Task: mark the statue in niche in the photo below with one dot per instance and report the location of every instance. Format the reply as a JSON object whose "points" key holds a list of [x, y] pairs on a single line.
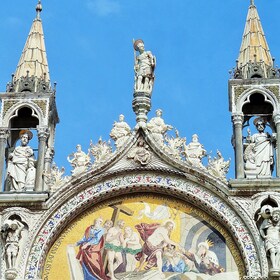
{"points": [[79, 160], [270, 232], [11, 235], [157, 127], [144, 67], [120, 132], [195, 152], [21, 165], [258, 154]]}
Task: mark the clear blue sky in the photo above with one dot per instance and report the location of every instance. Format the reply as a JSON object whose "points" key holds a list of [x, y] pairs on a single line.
{"points": [[90, 55]]}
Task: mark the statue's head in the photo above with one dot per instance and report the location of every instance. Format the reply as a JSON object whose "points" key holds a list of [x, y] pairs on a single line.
{"points": [[159, 112], [276, 215], [139, 45], [121, 118], [260, 124], [25, 136], [79, 148]]}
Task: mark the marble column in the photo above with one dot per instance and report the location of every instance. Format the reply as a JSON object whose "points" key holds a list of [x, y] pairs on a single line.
{"points": [[237, 120], [43, 135], [4, 133], [276, 119]]}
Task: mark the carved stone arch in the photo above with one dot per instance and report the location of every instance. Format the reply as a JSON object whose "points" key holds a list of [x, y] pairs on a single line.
{"points": [[60, 214], [13, 112], [268, 96]]}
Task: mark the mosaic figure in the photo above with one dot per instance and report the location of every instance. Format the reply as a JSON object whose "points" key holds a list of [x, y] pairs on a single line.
{"points": [[90, 247]]}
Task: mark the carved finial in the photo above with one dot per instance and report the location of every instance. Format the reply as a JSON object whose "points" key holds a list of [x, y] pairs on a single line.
{"points": [[252, 2], [39, 9]]}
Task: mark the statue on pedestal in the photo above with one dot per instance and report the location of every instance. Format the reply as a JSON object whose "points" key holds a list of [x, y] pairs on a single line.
{"points": [[11, 235], [157, 127], [258, 154], [79, 160], [270, 232], [194, 152], [21, 165], [120, 132], [144, 67]]}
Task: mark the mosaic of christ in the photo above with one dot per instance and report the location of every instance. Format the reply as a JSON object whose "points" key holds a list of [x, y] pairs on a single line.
{"points": [[143, 237]]}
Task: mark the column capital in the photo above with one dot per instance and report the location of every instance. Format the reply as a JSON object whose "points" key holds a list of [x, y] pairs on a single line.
{"points": [[43, 133], [276, 118], [237, 119], [4, 133]]}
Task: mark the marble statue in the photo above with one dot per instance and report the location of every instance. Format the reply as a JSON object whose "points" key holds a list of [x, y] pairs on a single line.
{"points": [[100, 151], [11, 235], [140, 153], [270, 232], [258, 154], [21, 165], [144, 68], [157, 127], [218, 167], [80, 161], [175, 145], [54, 179], [120, 132], [195, 152]]}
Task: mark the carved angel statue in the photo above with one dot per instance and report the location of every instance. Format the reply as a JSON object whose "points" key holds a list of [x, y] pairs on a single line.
{"points": [[100, 151], [54, 179], [270, 232], [175, 145], [157, 127], [258, 154], [11, 235], [195, 152], [80, 161], [144, 67], [218, 167], [120, 132]]}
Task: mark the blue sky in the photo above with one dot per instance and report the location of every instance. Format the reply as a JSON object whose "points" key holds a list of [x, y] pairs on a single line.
{"points": [[90, 55]]}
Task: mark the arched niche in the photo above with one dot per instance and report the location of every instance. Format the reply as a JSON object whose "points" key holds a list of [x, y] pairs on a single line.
{"points": [[23, 118], [82, 198]]}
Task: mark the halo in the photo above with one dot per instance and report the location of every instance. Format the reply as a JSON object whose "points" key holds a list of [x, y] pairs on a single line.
{"points": [[136, 43], [256, 120], [28, 132]]}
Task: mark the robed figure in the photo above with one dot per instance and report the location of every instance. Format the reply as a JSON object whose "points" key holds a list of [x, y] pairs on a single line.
{"points": [[90, 248]]}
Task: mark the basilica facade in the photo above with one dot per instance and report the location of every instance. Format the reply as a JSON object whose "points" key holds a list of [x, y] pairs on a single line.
{"points": [[146, 206]]}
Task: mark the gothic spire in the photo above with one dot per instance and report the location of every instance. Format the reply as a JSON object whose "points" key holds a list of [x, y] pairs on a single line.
{"points": [[33, 64], [254, 51]]}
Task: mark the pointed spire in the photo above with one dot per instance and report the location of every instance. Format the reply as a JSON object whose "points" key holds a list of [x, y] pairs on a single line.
{"points": [[254, 47], [33, 61]]}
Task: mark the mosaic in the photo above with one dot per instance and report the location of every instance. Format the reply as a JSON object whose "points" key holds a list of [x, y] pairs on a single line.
{"points": [[143, 237]]}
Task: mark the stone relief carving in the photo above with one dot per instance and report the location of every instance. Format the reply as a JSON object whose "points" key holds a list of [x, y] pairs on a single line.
{"points": [[120, 132], [258, 153], [140, 154], [175, 145], [218, 167], [11, 235], [79, 160], [21, 165], [101, 151], [55, 179], [270, 232], [195, 152], [158, 128], [144, 67]]}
